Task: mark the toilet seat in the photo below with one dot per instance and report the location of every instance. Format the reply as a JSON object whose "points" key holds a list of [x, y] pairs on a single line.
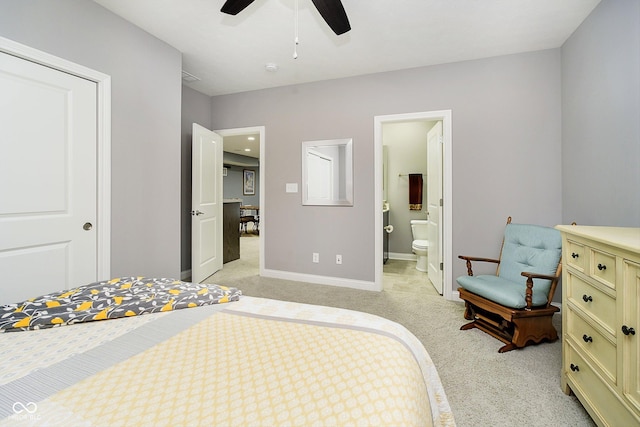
{"points": [[420, 244]]}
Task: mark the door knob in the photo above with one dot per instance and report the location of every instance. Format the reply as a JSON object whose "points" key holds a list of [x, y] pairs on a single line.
{"points": [[87, 226], [196, 212]]}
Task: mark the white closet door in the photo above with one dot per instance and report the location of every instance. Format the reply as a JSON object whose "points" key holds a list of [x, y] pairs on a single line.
{"points": [[48, 139]]}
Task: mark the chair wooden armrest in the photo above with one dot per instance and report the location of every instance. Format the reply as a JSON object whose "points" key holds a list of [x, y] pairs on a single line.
{"points": [[529, 293], [468, 259]]}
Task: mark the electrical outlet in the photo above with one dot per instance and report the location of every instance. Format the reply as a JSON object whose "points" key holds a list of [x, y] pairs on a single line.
{"points": [[338, 259], [316, 257]]}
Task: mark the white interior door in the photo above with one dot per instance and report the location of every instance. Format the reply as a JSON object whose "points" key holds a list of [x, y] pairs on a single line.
{"points": [[434, 205], [48, 140], [206, 213]]}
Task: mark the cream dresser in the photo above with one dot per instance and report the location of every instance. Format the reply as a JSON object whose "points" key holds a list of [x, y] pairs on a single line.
{"points": [[601, 321]]}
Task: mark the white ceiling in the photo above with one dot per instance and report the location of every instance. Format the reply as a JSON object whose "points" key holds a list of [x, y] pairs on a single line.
{"points": [[229, 53]]}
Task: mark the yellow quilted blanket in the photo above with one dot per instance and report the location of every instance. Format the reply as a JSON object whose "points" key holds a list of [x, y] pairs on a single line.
{"points": [[257, 362]]}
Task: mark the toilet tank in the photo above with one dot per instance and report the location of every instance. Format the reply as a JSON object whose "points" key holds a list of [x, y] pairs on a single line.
{"points": [[419, 229]]}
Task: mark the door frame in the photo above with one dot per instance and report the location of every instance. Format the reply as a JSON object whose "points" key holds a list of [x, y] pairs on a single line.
{"points": [[447, 191], [263, 212], [103, 153]]}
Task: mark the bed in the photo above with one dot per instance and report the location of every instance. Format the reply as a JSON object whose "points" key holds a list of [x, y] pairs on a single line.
{"points": [[207, 355]]}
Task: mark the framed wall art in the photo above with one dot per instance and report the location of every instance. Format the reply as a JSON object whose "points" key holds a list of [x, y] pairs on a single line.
{"points": [[248, 182]]}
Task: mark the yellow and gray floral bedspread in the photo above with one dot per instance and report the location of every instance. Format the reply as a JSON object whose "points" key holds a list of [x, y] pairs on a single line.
{"points": [[256, 362], [111, 299]]}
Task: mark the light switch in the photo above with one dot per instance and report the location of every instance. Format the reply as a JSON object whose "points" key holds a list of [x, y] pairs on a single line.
{"points": [[292, 187]]}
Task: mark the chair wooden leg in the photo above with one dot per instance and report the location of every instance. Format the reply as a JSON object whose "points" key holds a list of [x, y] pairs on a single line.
{"points": [[507, 347], [469, 325]]}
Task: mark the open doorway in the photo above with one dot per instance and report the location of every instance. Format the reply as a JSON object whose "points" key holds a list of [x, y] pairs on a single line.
{"points": [[444, 216], [243, 151]]}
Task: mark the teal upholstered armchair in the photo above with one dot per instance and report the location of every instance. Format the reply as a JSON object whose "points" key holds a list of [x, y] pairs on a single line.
{"points": [[514, 305]]}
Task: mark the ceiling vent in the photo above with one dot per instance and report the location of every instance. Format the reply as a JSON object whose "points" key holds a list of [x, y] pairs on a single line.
{"points": [[188, 77]]}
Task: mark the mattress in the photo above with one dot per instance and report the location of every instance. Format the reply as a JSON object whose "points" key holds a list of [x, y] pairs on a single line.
{"points": [[249, 362]]}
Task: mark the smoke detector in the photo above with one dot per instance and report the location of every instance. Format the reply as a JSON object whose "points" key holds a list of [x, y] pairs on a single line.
{"points": [[271, 67]]}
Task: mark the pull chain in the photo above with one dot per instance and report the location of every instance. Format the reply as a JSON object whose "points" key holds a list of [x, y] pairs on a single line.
{"points": [[295, 39]]}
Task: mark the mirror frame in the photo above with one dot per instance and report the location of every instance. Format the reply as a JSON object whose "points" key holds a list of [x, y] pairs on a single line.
{"points": [[347, 143]]}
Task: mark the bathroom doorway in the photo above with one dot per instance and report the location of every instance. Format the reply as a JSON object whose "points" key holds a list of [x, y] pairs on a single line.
{"points": [[405, 139]]}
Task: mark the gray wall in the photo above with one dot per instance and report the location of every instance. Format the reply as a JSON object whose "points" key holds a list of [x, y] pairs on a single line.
{"points": [[601, 117], [234, 182], [506, 154], [196, 108], [145, 127]]}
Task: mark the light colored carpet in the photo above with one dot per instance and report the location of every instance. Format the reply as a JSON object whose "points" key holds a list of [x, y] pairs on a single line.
{"points": [[484, 388]]}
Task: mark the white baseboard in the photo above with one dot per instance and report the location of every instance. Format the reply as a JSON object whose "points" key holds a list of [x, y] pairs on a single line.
{"points": [[402, 256], [320, 280]]}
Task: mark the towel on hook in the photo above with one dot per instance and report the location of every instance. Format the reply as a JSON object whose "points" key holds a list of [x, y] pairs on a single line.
{"points": [[415, 191]]}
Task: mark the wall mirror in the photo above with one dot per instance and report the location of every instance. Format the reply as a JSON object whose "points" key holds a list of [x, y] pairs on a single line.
{"points": [[327, 172]]}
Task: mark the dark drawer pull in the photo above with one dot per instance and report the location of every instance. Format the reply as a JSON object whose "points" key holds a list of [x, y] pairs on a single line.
{"points": [[627, 330], [587, 338], [574, 255], [586, 298], [602, 267], [574, 368]]}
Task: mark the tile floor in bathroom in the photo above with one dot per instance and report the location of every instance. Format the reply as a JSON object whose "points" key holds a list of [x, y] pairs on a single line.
{"points": [[401, 275]]}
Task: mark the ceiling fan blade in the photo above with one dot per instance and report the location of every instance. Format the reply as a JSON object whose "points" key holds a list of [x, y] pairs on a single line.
{"points": [[334, 14], [233, 7]]}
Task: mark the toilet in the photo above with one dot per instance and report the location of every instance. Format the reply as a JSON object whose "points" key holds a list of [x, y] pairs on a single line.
{"points": [[420, 245]]}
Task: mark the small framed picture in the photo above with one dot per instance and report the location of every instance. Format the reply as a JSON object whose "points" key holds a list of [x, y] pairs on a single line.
{"points": [[249, 182]]}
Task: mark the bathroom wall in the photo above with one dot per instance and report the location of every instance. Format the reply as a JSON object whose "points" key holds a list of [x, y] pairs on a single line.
{"points": [[406, 144]]}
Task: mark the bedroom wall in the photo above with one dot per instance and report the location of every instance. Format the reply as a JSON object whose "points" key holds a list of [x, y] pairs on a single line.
{"points": [[145, 127], [506, 154], [196, 108], [600, 111]]}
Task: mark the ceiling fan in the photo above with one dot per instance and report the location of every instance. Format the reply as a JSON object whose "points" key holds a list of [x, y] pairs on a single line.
{"points": [[331, 11]]}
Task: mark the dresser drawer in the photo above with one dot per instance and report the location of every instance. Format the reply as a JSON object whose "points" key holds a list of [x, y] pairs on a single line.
{"points": [[594, 302], [593, 343], [575, 255], [603, 267], [601, 402]]}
